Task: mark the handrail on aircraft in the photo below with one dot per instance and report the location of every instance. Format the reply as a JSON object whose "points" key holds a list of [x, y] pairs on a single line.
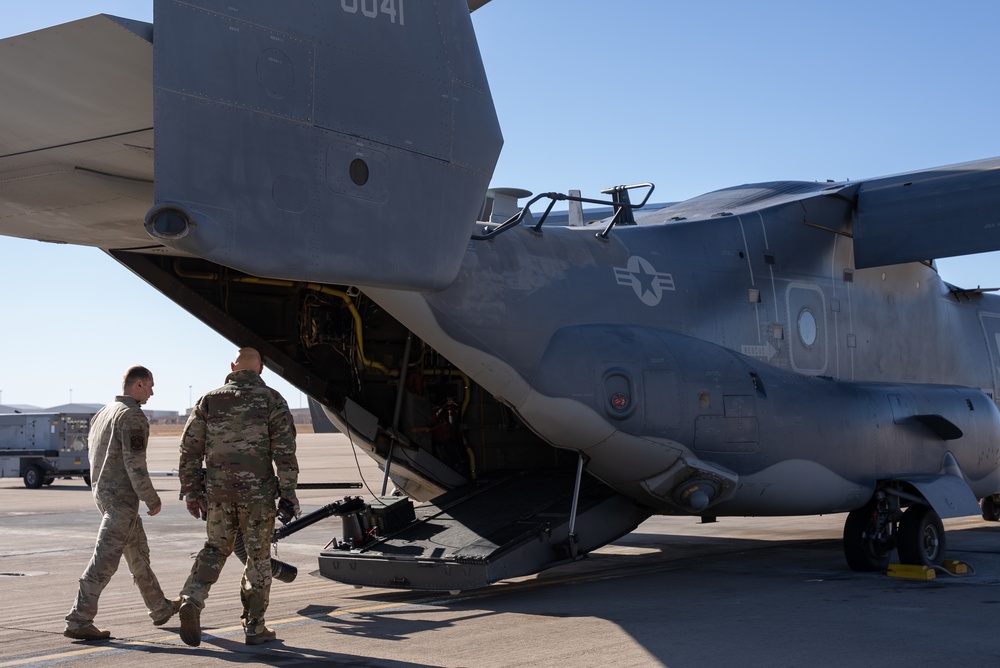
{"points": [[620, 201]]}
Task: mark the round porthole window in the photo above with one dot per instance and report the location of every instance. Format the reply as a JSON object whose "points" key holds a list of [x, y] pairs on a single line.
{"points": [[619, 401], [807, 327]]}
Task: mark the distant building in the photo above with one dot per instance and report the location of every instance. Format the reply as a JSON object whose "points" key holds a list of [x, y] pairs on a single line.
{"points": [[89, 409], [20, 408], [299, 415], [164, 417]]}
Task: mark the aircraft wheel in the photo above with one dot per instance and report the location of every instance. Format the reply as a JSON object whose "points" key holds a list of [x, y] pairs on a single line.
{"points": [[921, 537], [864, 552], [33, 478], [991, 508]]}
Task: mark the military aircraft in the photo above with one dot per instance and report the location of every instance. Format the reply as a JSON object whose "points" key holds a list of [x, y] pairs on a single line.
{"points": [[312, 179]]}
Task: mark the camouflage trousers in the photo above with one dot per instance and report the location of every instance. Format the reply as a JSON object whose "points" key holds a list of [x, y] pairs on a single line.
{"points": [[255, 521], [121, 533]]}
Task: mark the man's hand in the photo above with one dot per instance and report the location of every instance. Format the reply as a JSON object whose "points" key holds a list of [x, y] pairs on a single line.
{"points": [[288, 509], [197, 508], [154, 510]]}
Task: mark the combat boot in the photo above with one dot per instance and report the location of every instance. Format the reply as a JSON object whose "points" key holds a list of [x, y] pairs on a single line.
{"points": [[88, 632], [175, 605], [190, 615], [261, 637]]}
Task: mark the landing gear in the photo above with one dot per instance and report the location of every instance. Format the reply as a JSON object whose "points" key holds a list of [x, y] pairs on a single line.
{"points": [[874, 530], [991, 508], [921, 537], [868, 536]]}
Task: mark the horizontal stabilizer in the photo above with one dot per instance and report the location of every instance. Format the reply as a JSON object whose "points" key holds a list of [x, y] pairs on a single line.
{"points": [[337, 142], [926, 215], [76, 133]]}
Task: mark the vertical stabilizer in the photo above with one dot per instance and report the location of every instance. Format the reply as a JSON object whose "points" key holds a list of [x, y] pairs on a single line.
{"points": [[335, 141]]}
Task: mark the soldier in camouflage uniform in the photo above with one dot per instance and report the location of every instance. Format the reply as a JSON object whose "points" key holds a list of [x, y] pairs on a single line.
{"points": [[243, 432], [119, 433]]}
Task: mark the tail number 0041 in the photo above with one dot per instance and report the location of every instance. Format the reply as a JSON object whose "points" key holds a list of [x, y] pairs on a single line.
{"points": [[372, 8]]}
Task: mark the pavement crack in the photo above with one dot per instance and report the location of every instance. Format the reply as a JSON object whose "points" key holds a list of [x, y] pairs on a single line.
{"points": [[3, 627]]}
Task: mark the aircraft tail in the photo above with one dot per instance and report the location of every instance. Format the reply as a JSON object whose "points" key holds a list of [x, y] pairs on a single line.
{"points": [[338, 142]]}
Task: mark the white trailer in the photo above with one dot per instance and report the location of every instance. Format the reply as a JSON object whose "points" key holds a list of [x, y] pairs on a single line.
{"points": [[40, 447]]}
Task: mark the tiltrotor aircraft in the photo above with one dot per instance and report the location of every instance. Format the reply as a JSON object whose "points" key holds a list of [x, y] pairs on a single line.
{"points": [[309, 178]]}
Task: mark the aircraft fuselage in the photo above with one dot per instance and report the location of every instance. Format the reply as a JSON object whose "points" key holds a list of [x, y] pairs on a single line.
{"points": [[740, 355]]}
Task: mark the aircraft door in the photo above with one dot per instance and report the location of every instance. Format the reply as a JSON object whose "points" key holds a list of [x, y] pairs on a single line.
{"points": [[991, 328], [807, 328]]}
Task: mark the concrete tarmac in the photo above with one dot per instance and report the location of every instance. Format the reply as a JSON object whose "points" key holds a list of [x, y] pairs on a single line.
{"points": [[747, 592]]}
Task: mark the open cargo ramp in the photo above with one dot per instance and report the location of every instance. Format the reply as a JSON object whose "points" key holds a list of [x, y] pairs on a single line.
{"points": [[488, 531]]}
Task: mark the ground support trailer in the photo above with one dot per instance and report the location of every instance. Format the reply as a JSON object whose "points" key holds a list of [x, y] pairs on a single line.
{"points": [[40, 447]]}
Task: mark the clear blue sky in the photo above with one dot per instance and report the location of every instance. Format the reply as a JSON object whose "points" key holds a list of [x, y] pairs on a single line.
{"points": [[692, 96]]}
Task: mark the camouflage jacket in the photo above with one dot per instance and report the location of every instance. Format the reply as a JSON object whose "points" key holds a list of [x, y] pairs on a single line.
{"points": [[243, 432], [119, 433]]}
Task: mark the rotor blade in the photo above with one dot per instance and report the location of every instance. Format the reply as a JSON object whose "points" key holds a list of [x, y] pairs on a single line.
{"points": [[930, 214]]}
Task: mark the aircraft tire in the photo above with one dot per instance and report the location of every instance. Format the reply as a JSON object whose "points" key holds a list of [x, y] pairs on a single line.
{"points": [[863, 554], [33, 478], [991, 508], [920, 539]]}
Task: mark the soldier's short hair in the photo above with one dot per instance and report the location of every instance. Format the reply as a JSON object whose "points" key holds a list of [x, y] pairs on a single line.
{"points": [[133, 374]]}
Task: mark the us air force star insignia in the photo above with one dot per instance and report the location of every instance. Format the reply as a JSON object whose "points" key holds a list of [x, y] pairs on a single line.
{"points": [[647, 283]]}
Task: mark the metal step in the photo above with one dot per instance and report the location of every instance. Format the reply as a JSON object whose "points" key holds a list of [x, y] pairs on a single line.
{"points": [[488, 531]]}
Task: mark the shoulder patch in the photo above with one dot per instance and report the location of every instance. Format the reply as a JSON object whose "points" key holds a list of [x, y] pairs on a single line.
{"points": [[137, 442]]}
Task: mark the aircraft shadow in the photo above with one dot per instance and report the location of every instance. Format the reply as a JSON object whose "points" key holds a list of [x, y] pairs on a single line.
{"points": [[736, 601]]}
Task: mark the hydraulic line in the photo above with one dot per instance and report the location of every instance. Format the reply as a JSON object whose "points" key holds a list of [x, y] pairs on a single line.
{"points": [[358, 330], [315, 287]]}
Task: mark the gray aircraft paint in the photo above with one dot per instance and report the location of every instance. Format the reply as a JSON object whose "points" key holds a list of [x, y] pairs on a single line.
{"points": [[776, 348], [334, 122]]}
